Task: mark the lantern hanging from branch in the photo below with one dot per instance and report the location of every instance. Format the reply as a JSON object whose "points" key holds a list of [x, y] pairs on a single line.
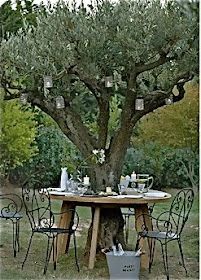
{"points": [[60, 104], [23, 98], [47, 81], [139, 104], [169, 100], [109, 82]]}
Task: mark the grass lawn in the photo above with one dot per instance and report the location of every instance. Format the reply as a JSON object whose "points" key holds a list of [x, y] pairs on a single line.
{"points": [[66, 268]]}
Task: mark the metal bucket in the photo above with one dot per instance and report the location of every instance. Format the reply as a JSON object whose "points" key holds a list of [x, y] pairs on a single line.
{"points": [[122, 267]]}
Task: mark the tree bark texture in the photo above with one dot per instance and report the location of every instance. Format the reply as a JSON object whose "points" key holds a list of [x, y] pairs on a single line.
{"points": [[111, 230]]}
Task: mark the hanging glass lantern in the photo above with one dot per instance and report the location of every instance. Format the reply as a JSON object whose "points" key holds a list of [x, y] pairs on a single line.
{"points": [[47, 81], [169, 100], [60, 104], [109, 82], [23, 98], [139, 104]]}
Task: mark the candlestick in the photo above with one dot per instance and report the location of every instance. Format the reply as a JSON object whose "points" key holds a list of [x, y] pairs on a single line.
{"points": [[108, 189], [86, 180], [133, 177]]}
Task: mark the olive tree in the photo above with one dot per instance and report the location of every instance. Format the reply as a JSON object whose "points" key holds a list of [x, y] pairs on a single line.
{"points": [[98, 54]]}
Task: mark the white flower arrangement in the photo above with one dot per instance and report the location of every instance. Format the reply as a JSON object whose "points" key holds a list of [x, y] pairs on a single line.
{"points": [[99, 155]]}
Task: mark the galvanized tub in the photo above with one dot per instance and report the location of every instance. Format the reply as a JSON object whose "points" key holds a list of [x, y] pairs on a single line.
{"points": [[126, 266]]}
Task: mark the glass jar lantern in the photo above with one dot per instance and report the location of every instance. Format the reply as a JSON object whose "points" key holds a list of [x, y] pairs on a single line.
{"points": [[139, 104], [60, 104], [47, 81], [23, 98], [109, 82], [169, 100]]}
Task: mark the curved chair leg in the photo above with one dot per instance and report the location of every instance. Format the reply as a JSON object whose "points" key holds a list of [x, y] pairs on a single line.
{"points": [[14, 237], [18, 235], [75, 250], [27, 250], [151, 244], [48, 253], [54, 246], [165, 259], [182, 255]]}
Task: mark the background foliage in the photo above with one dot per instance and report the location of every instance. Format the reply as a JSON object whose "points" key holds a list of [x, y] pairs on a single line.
{"points": [[17, 139], [167, 140], [54, 151], [176, 126]]}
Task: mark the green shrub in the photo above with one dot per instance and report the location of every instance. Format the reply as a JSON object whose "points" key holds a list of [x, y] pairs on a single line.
{"points": [[54, 150], [170, 167]]}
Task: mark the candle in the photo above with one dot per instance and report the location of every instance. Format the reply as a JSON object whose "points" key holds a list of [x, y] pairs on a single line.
{"points": [[133, 177], [86, 180], [108, 189]]}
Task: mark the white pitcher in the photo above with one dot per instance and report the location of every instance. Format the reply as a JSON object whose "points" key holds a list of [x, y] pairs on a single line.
{"points": [[64, 179], [144, 182]]}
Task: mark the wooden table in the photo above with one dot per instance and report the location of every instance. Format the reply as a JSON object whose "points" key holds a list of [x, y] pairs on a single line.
{"points": [[71, 201]]}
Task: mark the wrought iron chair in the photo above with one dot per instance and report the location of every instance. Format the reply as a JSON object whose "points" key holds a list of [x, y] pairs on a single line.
{"points": [[167, 227], [42, 220], [130, 212], [11, 205]]}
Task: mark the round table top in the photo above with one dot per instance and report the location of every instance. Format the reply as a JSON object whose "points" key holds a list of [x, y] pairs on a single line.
{"points": [[123, 200]]}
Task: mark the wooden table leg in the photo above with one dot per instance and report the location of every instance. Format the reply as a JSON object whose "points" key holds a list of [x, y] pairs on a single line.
{"points": [[139, 210], [96, 221], [64, 222]]}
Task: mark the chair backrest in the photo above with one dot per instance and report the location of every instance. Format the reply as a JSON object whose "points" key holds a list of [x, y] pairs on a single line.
{"points": [[179, 211], [37, 203], [10, 206], [38, 207]]}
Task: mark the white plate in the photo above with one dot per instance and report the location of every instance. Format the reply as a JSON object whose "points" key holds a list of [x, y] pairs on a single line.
{"points": [[155, 194], [55, 189], [60, 193], [129, 196]]}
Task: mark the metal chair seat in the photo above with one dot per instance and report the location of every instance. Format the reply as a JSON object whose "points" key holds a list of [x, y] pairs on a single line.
{"points": [[11, 215], [127, 214], [42, 220], [160, 235], [11, 206], [53, 230], [168, 226]]}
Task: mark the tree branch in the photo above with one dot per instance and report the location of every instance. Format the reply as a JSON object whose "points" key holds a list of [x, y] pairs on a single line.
{"points": [[102, 96], [145, 67], [90, 83], [103, 120], [70, 123]]}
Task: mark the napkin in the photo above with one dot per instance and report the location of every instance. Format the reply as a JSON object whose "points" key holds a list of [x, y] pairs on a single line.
{"points": [[129, 196], [61, 193], [55, 189], [155, 194]]}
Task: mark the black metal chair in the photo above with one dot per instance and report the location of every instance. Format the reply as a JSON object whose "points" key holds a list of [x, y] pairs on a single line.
{"points": [[42, 220], [167, 227], [127, 214], [11, 205]]}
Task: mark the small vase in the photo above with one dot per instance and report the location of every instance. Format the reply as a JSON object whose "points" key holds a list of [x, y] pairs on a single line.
{"points": [[64, 179]]}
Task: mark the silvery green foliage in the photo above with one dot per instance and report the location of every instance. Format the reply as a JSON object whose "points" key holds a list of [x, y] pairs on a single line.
{"points": [[147, 46], [106, 39]]}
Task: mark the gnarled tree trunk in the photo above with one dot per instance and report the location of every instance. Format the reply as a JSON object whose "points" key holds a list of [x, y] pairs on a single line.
{"points": [[111, 229]]}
